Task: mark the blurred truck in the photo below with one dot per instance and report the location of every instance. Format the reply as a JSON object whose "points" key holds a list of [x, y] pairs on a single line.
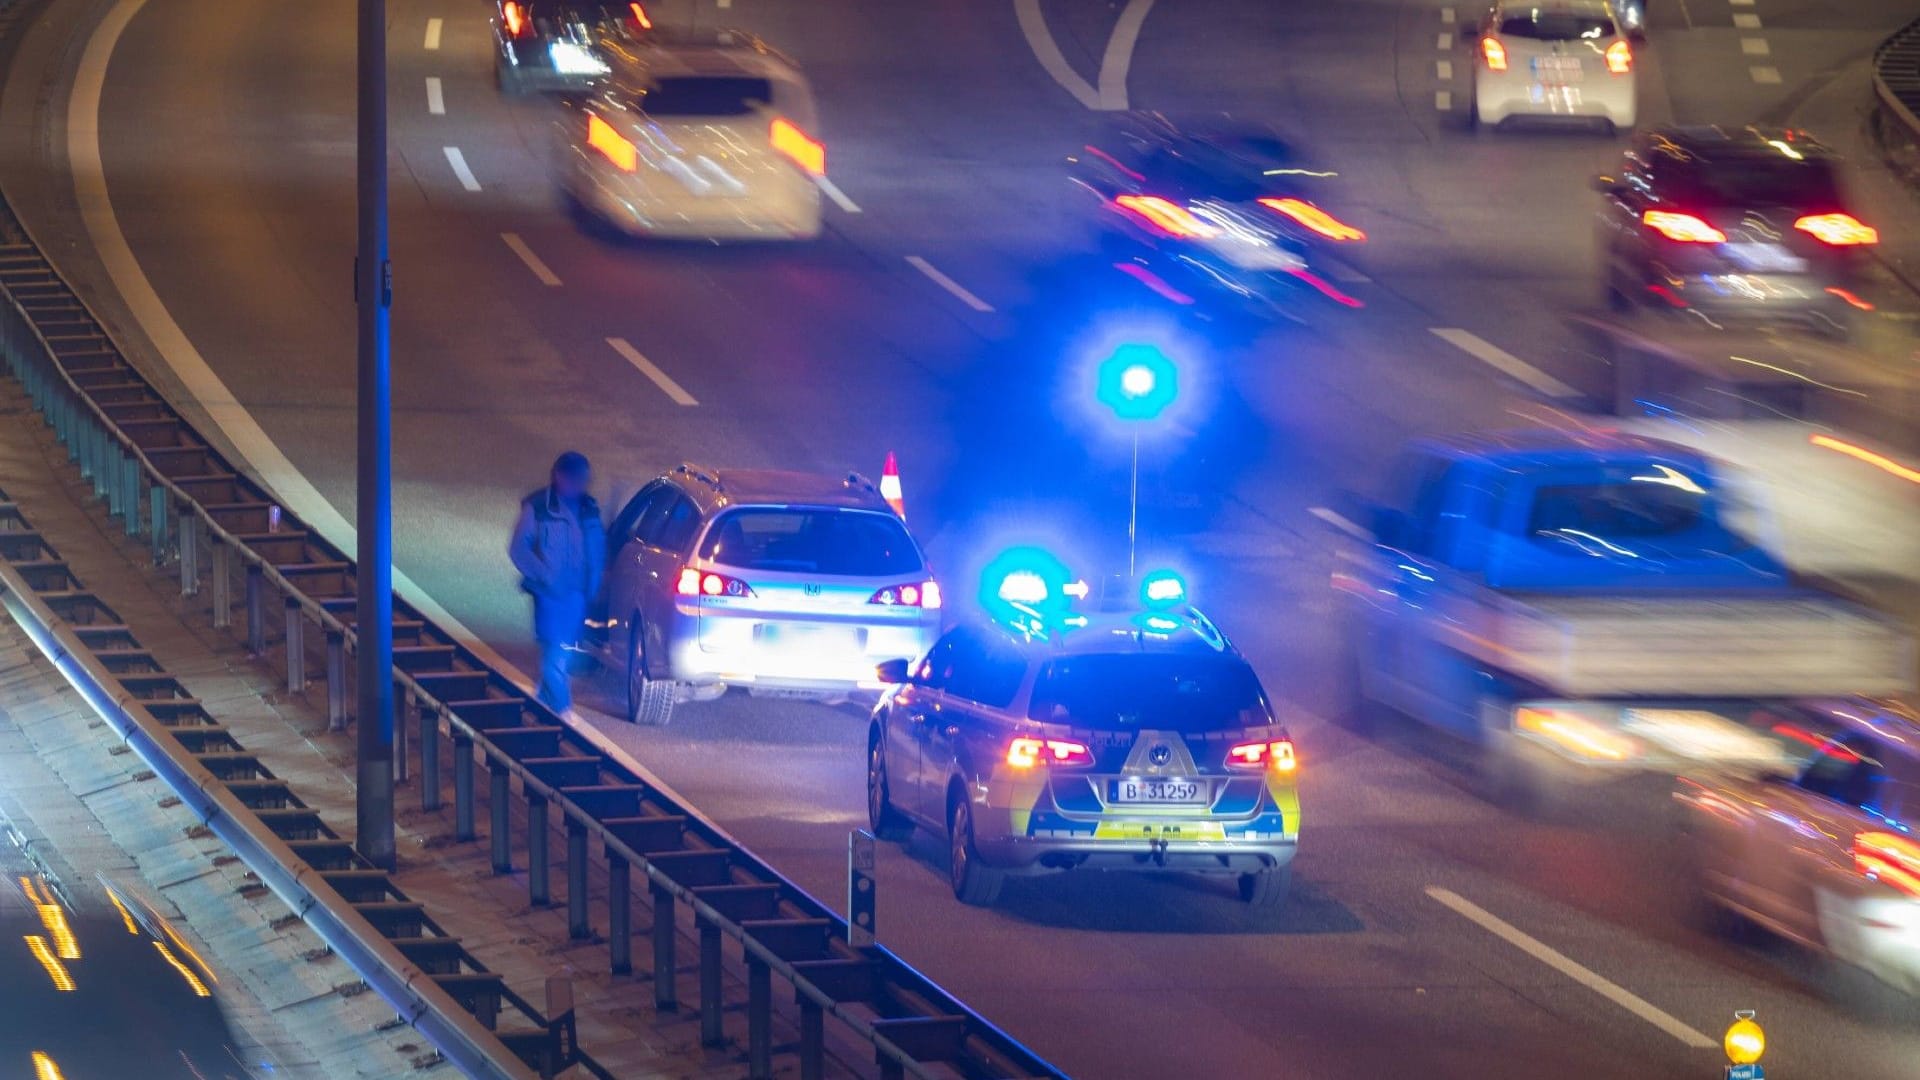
{"points": [[1583, 604]]}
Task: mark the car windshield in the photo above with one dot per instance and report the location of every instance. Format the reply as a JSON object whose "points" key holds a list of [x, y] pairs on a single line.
{"points": [[707, 95], [1151, 692], [1545, 24], [854, 543], [1619, 508]]}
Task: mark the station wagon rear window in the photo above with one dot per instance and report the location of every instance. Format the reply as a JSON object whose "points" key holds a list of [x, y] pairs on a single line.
{"points": [[850, 543], [707, 95], [1556, 26]]}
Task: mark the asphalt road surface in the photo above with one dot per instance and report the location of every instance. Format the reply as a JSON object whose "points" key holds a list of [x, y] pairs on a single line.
{"points": [[950, 318]]}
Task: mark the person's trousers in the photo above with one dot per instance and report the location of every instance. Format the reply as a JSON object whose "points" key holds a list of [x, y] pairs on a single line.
{"points": [[556, 675]]}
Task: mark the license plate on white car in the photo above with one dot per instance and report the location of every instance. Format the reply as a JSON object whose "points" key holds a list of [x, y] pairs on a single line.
{"points": [[1158, 790], [1765, 258], [1554, 70]]}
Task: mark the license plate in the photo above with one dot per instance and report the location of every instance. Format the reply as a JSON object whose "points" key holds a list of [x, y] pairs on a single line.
{"points": [[1765, 258], [806, 637], [1557, 69], [1154, 789]]}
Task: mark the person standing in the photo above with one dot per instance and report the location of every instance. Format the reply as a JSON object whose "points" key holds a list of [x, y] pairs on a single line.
{"points": [[560, 548]]}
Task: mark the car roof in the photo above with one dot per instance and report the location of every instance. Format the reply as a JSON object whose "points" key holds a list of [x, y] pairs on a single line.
{"points": [[1574, 7], [1560, 446], [1171, 632], [714, 52], [719, 488], [1713, 143]]}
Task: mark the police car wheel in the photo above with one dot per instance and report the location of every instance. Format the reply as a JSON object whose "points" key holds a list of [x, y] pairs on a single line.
{"points": [[974, 883], [1267, 888]]}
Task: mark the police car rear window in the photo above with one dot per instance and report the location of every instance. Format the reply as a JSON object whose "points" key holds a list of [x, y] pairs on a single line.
{"points": [[707, 95], [1149, 692], [853, 543]]}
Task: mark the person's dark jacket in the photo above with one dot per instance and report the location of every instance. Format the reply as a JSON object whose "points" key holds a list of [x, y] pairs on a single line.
{"points": [[561, 552]]}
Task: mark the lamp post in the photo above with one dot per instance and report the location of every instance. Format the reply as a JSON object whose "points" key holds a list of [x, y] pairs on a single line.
{"points": [[1137, 382]]}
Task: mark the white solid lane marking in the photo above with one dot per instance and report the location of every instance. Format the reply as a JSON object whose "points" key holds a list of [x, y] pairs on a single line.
{"points": [[534, 263], [1445, 43], [1033, 26], [1755, 47], [1118, 58], [1741, 3], [459, 162], [433, 34], [1503, 361], [1340, 522], [1446, 15], [1558, 961], [839, 197], [1443, 100], [436, 96], [1744, 21], [948, 284], [726, 3], [652, 371], [1444, 69], [1769, 76]]}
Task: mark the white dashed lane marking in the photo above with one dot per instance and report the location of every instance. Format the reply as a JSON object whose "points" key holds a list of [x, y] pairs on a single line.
{"points": [[1744, 21], [1444, 68], [947, 283], [1755, 47], [1444, 43], [1766, 76], [1446, 16], [652, 371], [433, 34], [541, 270], [832, 191], [436, 97], [1503, 361], [1443, 100], [459, 162]]}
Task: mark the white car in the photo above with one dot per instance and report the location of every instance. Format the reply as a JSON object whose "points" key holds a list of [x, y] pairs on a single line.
{"points": [[1555, 61], [707, 138]]}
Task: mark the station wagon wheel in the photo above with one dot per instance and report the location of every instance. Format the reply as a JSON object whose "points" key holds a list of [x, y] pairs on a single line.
{"points": [[974, 883], [887, 823], [649, 701]]}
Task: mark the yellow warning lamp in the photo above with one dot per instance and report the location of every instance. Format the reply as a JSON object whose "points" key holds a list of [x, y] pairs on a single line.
{"points": [[1745, 1042]]}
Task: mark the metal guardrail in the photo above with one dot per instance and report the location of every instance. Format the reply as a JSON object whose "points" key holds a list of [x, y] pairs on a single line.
{"points": [[168, 484], [259, 818], [1896, 75]]}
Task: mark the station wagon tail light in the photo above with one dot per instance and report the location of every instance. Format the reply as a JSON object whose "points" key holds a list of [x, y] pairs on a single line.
{"points": [[1314, 218], [611, 144], [1620, 57], [516, 18], [696, 582], [1494, 52], [925, 595], [1170, 218], [1684, 228], [1889, 858], [1840, 230], [1275, 754], [799, 146], [1025, 752]]}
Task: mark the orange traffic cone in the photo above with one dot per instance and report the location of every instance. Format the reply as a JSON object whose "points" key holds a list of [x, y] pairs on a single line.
{"points": [[890, 486]]}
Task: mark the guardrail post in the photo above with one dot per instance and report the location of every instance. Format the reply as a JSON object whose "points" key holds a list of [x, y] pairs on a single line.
{"points": [[295, 626], [759, 1018], [87, 444], [666, 996], [429, 757], [222, 583], [462, 786], [157, 522], [577, 926], [498, 795], [539, 888], [68, 413], [113, 473], [189, 549], [133, 496], [813, 1037], [620, 915], [256, 611], [712, 1031], [336, 679]]}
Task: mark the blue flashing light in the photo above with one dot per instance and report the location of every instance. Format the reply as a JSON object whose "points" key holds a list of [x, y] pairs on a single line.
{"points": [[1026, 581], [1162, 588], [1023, 587], [1138, 382]]}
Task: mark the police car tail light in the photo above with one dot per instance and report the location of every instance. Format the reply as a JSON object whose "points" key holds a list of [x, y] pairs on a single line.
{"points": [[516, 18], [1495, 53], [1620, 57], [1025, 752], [798, 146], [1684, 228], [1839, 230], [925, 595], [1275, 754], [611, 144], [1312, 217], [1889, 858], [1167, 217], [696, 582]]}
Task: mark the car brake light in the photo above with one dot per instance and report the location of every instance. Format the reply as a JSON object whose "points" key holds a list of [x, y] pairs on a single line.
{"points": [[1314, 218], [1685, 228], [1276, 754], [1495, 53], [610, 143], [516, 17], [1170, 218], [1890, 859], [799, 146], [925, 595], [1026, 752], [1840, 230], [640, 16], [696, 582], [1620, 57]]}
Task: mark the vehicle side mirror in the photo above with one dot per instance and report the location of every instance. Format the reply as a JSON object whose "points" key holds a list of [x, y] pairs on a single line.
{"points": [[894, 672]]}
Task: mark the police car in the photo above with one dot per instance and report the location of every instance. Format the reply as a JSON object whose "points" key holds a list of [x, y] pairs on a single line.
{"points": [[1133, 739]]}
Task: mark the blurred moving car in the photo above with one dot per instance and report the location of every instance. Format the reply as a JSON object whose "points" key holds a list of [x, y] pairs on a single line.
{"points": [[560, 46], [1824, 855], [775, 581], [1553, 61], [1584, 604], [1728, 221], [1220, 207], [705, 136], [1134, 740]]}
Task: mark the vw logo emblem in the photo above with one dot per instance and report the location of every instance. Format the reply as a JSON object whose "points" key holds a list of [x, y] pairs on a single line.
{"points": [[1160, 754]]}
